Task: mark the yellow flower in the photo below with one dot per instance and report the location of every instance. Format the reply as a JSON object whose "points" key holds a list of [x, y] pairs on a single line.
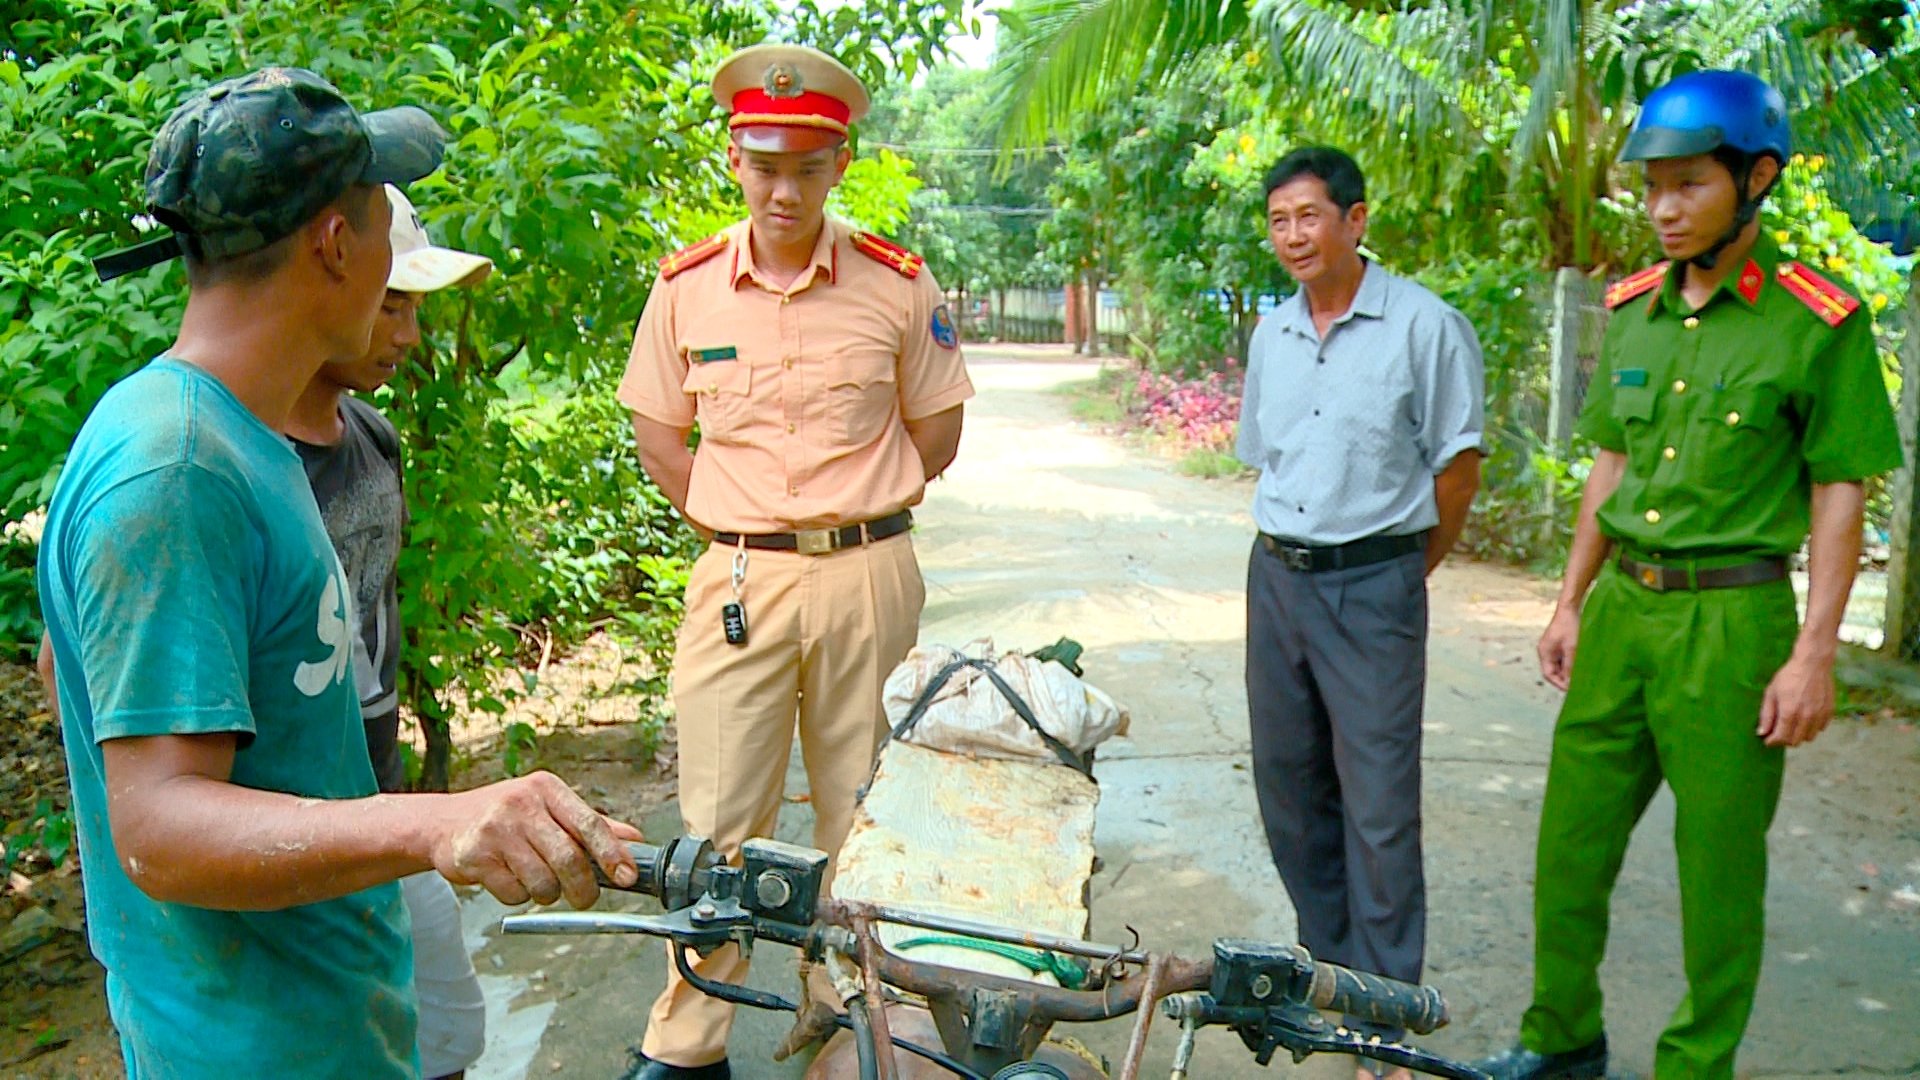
{"points": [[1816, 162], [1813, 201], [1879, 301], [1799, 159], [1836, 263], [1781, 235], [1232, 158], [1246, 144]]}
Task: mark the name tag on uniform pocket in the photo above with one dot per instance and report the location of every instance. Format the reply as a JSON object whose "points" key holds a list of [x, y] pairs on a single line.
{"points": [[1630, 377], [709, 356]]}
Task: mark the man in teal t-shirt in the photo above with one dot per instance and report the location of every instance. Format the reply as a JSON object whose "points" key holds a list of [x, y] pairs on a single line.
{"points": [[239, 866]]}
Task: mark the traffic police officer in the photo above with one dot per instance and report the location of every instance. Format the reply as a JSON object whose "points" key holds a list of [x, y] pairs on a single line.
{"points": [[826, 377], [1738, 403]]}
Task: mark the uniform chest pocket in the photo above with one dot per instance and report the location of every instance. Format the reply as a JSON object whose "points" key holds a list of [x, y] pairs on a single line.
{"points": [[862, 396], [1633, 404], [722, 394], [1738, 434]]}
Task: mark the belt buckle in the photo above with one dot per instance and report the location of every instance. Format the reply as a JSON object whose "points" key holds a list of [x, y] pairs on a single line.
{"points": [[1652, 578], [816, 541], [1295, 558]]}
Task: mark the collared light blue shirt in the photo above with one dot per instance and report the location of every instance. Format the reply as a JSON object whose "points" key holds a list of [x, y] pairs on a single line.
{"points": [[1349, 431]]}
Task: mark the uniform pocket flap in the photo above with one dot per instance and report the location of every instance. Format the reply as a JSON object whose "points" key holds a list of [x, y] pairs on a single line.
{"points": [[1633, 402]]}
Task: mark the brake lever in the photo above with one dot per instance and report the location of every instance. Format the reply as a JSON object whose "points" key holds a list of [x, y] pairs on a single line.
{"points": [[702, 927]]}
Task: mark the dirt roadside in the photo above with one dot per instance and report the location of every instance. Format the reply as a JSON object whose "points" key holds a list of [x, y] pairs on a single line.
{"points": [[1046, 527]]}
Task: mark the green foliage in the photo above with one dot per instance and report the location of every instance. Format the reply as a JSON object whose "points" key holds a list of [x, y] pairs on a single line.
{"points": [[519, 749], [584, 145], [46, 833]]}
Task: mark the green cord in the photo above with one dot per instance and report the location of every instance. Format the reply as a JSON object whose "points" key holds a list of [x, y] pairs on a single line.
{"points": [[1065, 971]]}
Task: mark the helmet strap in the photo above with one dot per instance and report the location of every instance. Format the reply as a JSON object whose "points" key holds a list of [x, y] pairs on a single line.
{"points": [[1743, 215]]}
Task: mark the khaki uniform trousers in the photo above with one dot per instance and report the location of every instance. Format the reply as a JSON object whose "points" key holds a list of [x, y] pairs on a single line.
{"points": [[823, 633]]}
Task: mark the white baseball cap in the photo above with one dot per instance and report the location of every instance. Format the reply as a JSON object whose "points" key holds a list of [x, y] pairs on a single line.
{"points": [[419, 266]]}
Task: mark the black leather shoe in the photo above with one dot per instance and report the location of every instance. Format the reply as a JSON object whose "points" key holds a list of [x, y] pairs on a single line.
{"points": [[643, 1067], [1587, 1063]]}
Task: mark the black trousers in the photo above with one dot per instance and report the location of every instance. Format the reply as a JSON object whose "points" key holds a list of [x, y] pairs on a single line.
{"points": [[1336, 681]]}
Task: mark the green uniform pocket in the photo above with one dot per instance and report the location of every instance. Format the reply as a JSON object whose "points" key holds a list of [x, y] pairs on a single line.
{"points": [[1735, 435]]}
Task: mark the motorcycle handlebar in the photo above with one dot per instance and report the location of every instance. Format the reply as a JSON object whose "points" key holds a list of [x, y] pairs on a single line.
{"points": [[1377, 999]]}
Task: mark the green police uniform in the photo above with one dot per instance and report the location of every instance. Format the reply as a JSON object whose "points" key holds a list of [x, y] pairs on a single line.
{"points": [[1727, 417]]}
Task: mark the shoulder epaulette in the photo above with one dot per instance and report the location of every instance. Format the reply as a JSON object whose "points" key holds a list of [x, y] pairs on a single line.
{"points": [[1829, 301], [1636, 284], [692, 256], [899, 259]]}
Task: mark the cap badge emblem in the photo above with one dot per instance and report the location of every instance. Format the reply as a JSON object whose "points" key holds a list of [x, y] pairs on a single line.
{"points": [[783, 81]]}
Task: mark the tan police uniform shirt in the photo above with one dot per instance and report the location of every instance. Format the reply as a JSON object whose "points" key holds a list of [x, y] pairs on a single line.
{"points": [[801, 393]]}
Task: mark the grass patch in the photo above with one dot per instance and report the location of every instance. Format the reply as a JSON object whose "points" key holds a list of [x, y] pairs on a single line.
{"points": [[1211, 465], [1097, 400]]}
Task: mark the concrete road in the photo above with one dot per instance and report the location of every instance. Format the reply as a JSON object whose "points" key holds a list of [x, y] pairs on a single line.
{"points": [[1045, 527]]}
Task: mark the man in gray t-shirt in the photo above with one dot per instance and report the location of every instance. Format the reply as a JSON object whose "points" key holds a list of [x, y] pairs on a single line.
{"points": [[352, 458], [356, 481], [1362, 412]]}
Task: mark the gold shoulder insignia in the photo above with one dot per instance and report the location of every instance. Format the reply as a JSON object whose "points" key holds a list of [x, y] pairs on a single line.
{"points": [[899, 259], [1829, 301], [1636, 284], [692, 256]]}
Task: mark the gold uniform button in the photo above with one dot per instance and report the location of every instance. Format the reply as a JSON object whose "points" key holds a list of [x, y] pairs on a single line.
{"points": [[1653, 517], [795, 490], [1690, 322], [787, 363], [1670, 453], [1733, 418], [713, 388], [1679, 386], [789, 429]]}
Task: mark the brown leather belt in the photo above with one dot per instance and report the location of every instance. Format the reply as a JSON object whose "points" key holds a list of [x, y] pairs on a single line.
{"points": [[1313, 559], [1663, 578], [823, 541]]}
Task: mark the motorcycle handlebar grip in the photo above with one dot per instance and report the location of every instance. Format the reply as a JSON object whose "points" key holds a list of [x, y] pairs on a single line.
{"points": [[1377, 999], [650, 858]]}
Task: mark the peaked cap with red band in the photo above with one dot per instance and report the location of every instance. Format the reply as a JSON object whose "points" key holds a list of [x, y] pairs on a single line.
{"points": [[788, 98]]}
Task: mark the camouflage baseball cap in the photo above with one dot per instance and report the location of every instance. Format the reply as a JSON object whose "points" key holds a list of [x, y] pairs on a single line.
{"points": [[249, 160]]}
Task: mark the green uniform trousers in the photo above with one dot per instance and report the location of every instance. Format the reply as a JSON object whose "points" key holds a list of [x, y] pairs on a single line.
{"points": [[1665, 685]]}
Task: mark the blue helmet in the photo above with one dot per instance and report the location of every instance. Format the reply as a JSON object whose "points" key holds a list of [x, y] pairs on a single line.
{"points": [[1703, 111]]}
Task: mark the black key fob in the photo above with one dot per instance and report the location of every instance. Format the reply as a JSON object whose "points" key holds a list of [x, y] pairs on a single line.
{"points": [[733, 618]]}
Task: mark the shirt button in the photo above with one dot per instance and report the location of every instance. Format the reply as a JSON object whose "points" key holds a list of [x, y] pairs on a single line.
{"points": [[1733, 418], [1670, 453], [789, 429], [786, 299], [713, 388], [1690, 322], [787, 363], [1653, 517], [1679, 386], [794, 490]]}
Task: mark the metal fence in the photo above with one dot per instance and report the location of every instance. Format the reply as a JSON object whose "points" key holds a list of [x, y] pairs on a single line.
{"points": [[1040, 315]]}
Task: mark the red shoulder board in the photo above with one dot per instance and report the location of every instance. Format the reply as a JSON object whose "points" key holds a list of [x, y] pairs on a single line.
{"points": [[902, 261], [692, 256], [1637, 284], [1829, 301]]}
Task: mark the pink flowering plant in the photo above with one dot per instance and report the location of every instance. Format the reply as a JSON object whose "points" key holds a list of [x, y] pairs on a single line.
{"points": [[1192, 414]]}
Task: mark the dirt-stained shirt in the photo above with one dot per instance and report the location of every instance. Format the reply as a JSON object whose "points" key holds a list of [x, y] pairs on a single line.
{"points": [[802, 393]]}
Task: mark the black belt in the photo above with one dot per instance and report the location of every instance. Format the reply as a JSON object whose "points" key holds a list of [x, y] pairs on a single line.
{"points": [[1312, 559], [1661, 578], [823, 541]]}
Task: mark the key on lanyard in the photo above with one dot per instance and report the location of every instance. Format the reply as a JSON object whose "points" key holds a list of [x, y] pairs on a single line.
{"points": [[733, 615]]}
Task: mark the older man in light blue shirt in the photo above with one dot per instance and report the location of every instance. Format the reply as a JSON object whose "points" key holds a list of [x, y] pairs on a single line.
{"points": [[1362, 412]]}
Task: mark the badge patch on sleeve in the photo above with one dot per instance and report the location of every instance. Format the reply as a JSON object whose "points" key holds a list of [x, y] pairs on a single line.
{"points": [[1630, 377], [943, 331]]}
